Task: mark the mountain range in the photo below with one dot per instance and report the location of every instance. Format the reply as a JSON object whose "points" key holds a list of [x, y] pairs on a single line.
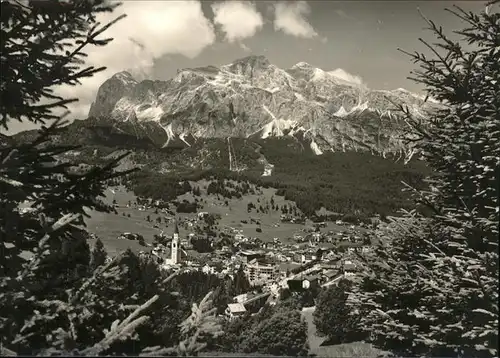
{"points": [[252, 98]]}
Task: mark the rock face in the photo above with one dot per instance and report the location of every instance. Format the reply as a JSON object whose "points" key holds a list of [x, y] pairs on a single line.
{"points": [[110, 92], [253, 98]]}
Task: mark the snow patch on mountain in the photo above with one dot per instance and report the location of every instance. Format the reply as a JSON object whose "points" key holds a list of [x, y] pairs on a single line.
{"points": [[299, 96], [295, 130], [123, 105], [341, 112], [131, 117], [182, 137], [318, 74], [170, 134], [150, 113], [268, 111], [276, 127], [143, 111], [346, 77], [315, 148], [361, 107]]}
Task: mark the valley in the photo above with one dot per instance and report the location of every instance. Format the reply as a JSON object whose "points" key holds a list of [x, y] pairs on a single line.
{"points": [[234, 218], [359, 184]]}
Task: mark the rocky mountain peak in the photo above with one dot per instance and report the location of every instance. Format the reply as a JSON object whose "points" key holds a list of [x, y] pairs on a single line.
{"points": [[110, 92], [125, 77], [302, 65], [246, 66], [254, 60], [252, 97]]}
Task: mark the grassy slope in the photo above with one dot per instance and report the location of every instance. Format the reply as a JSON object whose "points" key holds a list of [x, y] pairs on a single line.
{"points": [[108, 226]]}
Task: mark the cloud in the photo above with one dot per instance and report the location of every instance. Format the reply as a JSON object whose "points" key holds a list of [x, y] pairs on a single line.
{"points": [[237, 19], [245, 47], [150, 30], [291, 19], [346, 76]]}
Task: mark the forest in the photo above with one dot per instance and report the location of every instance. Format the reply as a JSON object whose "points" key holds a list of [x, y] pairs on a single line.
{"points": [[356, 184]]}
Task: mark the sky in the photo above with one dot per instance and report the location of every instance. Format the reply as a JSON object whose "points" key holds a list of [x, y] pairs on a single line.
{"points": [[360, 38]]}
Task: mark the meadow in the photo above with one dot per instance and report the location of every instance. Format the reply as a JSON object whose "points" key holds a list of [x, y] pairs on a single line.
{"points": [[108, 226]]}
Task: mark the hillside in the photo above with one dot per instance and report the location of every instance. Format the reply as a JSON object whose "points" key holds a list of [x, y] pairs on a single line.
{"points": [[359, 185], [356, 184]]}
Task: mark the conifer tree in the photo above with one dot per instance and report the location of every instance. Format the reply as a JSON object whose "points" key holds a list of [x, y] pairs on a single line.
{"points": [[42, 46], [432, 287], [279, 331], [332, 316], [195, 330], [98, 256], [241, 283]]}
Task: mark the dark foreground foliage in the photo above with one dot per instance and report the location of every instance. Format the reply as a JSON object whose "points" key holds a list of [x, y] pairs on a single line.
{"points": [[433, 289], [278, 330]]}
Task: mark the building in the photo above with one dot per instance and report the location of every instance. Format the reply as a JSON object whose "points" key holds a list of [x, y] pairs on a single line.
{"points": [[239, 236], [202, 214], [304, 258], [249, 255], [207, 269], [331, 274], [241, 298], [259, 273], [349, 266], [286, 268], [303, 282], [176, 250], [351, 247], [235, 310]]}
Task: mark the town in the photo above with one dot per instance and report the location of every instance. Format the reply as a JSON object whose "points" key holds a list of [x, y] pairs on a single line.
{"points": [[310, 258]]}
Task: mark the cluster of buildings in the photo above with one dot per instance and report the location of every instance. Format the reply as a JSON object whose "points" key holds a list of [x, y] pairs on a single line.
{"points": [[270, 278], [265, 268], [269, 267]]}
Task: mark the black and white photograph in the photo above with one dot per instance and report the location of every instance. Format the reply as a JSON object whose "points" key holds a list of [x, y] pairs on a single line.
{"points": [[237, 178]]}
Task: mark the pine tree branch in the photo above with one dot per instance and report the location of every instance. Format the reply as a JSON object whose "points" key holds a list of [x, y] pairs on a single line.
{"points": [[422, 198], [91, 280], [4, 351], [120, 330], [60, 224]]}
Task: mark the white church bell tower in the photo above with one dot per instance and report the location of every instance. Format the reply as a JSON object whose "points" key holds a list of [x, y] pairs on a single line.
{"points": [[175, 249]]}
